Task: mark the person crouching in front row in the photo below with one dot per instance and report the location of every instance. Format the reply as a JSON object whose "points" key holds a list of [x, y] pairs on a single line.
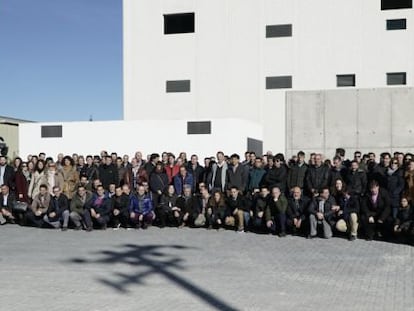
{"points": [[276, 212], [141, 209]]}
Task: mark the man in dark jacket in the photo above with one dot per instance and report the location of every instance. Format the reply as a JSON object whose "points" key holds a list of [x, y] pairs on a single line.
{"points": [[356, 180], [120, 203], [7, 176], [195, 169], [79, 213], [297, 173], [237, 174], [7, 200], [276, 212], [297, 211], [277, 175], [141, 208], [259, 207], [317, 177], [238, 210], [100, 208], [376, 209], [108, 173], [338, 171], [395, 185], [322, 211], [188, 207], [256, 174], [58, 212]]}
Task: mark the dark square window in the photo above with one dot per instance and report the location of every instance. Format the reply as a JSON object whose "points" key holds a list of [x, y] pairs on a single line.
{"points": [[49, 131], [280, 82], [255, 145], [199, 127], [178, 23], [345, 80], [275, 31], [396, 4], [396, 78], [395, 24], [178, 86]]}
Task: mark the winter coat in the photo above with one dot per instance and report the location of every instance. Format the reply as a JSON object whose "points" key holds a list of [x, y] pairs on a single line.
{"points": [[70, 179], [275, 208], [395, 187], [381, 209], [38, 178], [297, 175], [317, 178]]}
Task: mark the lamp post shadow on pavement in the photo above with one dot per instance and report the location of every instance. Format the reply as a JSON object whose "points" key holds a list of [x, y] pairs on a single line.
{"points": [[157, 260]]}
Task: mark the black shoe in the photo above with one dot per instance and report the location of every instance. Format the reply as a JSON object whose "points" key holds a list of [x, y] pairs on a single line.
{"points": [[144, 226], [89, 229], [77, 228], [310, 237], [64, 228], [352, 238], [282, 234]]}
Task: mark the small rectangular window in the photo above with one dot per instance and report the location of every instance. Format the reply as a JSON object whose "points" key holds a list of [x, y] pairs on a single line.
{"points": [[280, 82], [275, 31], [396, 4], [345, 80], [178, 23], [51, 131], [255, 145], [178, 86], [396, 78], [395, 24], [199, 127]]}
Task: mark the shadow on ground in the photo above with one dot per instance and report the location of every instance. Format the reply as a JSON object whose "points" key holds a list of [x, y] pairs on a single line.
{"points": [[155, 259]]}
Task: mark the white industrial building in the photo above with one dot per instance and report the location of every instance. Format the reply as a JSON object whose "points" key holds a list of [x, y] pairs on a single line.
{"points": [[278, 75], [192, 59]]}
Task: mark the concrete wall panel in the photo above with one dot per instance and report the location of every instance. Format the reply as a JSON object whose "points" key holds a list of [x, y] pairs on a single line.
{"points": [[340, 118], [307, 120], [374, 118], [403, 118]]}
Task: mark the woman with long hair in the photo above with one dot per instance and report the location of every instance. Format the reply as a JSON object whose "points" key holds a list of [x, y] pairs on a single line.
{"points": [[38, 178], [70, 177], [216, 210]]}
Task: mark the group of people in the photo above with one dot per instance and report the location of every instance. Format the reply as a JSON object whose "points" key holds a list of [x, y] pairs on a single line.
{"points": [[361, 197]]}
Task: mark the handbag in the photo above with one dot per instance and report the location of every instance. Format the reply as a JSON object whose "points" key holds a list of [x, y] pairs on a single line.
{"points": [[200, 220], [20, 206]]}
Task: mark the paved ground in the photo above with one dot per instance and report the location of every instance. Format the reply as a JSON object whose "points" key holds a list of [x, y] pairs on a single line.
{"points": [[196, 269]]}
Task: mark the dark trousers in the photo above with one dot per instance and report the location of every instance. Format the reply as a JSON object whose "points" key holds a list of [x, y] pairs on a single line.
{"points": [[81, 219], [303, 230], [100, 222], [34, 220], [122, 218], [374, 228], [167, 218], [147, 219], [279, 223]]}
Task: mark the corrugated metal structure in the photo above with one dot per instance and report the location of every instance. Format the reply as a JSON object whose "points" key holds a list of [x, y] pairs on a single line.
{"points": [[9, 133]]}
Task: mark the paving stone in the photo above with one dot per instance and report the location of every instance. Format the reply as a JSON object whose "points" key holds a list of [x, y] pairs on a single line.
{"points": [[197, 269]]}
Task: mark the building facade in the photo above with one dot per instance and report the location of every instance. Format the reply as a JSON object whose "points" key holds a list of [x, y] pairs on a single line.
{"points": [[202, 59]]}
